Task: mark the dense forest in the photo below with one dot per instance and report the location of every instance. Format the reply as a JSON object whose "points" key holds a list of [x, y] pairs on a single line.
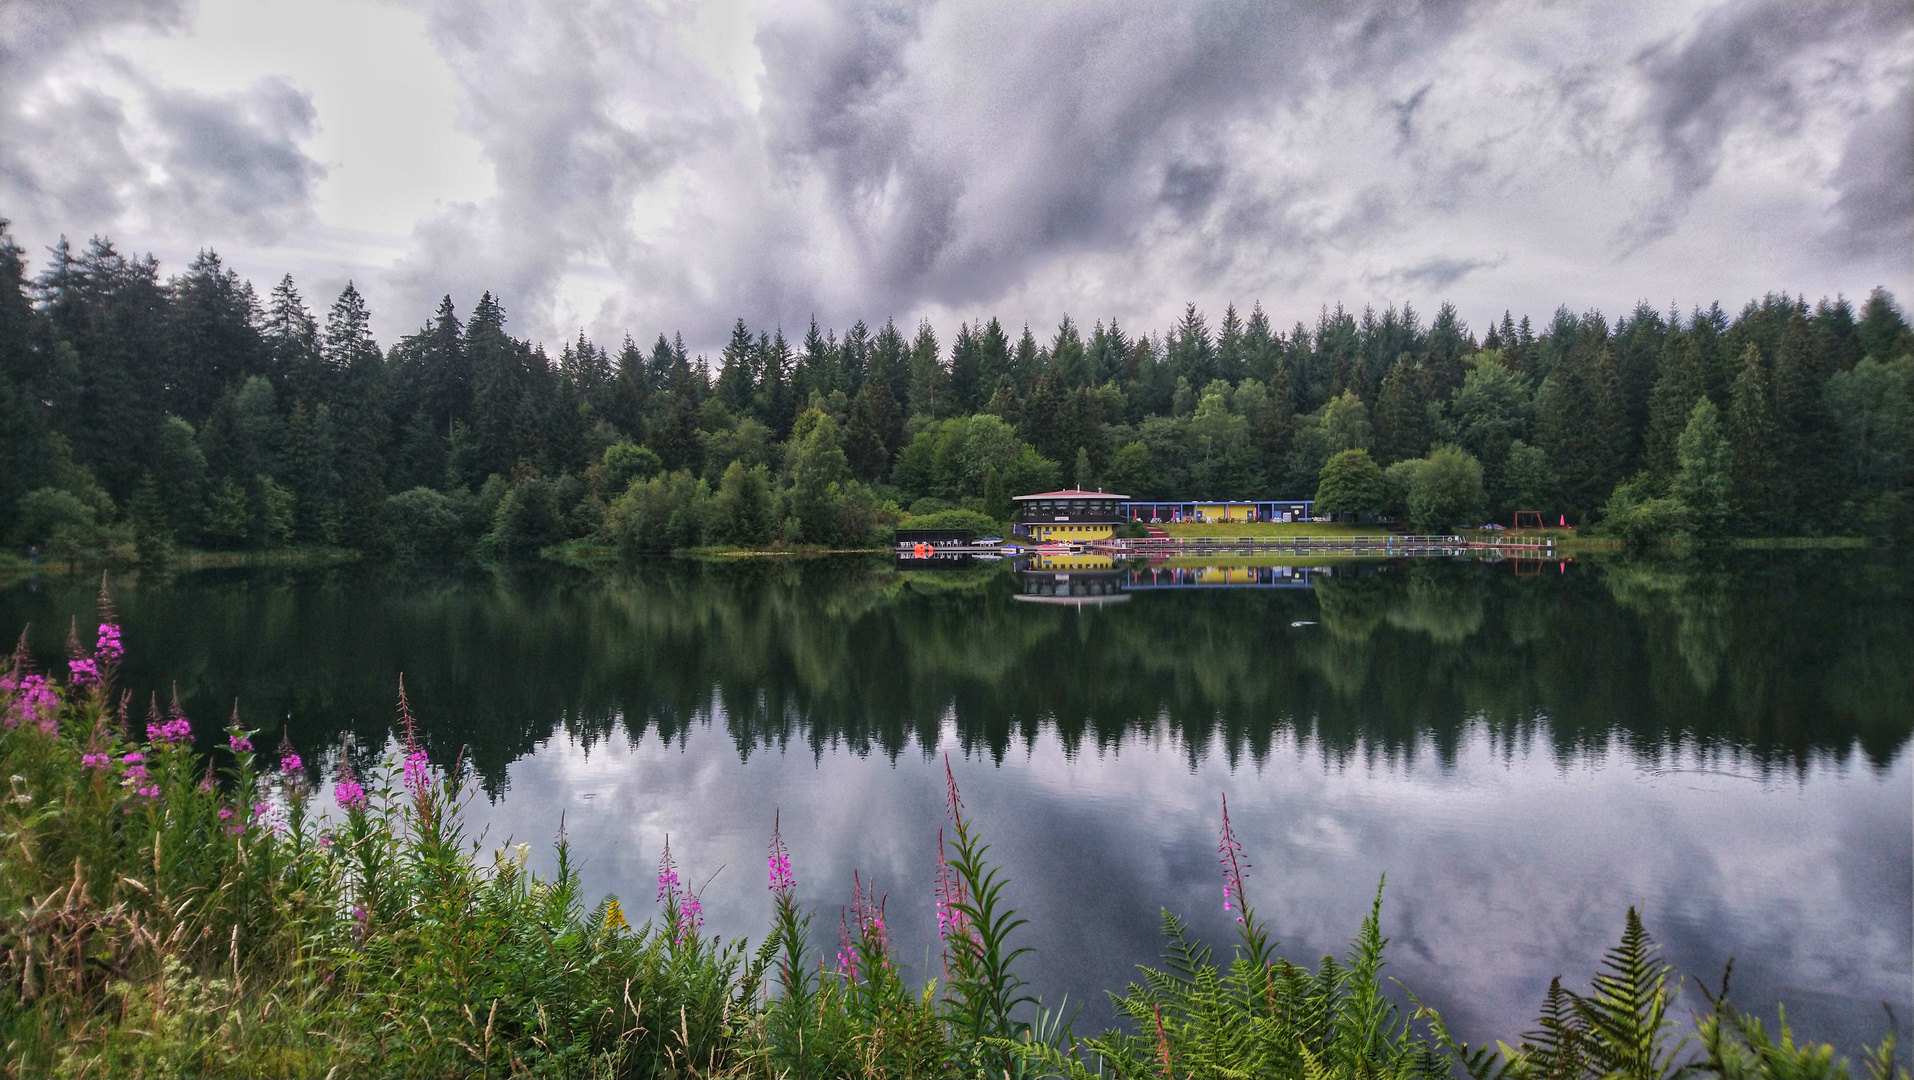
{"points": [[139, 413]]}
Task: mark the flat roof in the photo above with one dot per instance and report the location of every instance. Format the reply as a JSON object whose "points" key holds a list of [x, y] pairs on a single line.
{"points": [[1072, 495]]}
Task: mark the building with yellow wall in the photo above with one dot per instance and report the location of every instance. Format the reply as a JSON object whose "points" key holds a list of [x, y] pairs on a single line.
{"points": [[1069, 516]]}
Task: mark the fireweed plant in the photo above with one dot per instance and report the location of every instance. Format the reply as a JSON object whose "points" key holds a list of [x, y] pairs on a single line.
{"points": [[173, 902]]}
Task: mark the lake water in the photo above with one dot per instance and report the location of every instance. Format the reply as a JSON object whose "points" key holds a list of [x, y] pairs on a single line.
{"points": [[1524, 749]]}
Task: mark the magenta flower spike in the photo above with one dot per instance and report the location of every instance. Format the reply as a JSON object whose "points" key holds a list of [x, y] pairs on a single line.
{"points": [[779, 862], [108, 650], [347, 791], [1230, 854]]}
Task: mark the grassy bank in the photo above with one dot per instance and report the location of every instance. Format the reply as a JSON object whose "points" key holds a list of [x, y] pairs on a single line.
{"points": [[184, 559]]}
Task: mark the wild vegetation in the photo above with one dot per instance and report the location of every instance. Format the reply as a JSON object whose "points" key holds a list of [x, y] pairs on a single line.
{"points": [[167, 912], [138, 413]]}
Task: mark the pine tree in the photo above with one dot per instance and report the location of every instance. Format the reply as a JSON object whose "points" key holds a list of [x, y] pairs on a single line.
{"points": [[1192, 353], [993, 357], [1806, 476], [1402, 413], [774, 403], [1751, 436], [212, 338], [1705, 481], [890, 360], [1232, 347], [1577, 422], [1449, 347], [966, 372], [929, 388], [873, 418], [359, 411], [152, 531], [737, 370], [631, 391], [1678, 386]]}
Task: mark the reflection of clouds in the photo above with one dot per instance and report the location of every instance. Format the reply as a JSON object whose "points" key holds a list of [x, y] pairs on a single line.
{"points": [[1505, 865]]}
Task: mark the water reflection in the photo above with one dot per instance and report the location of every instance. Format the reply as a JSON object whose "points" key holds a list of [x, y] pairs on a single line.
{"points": [[1525, 754]]}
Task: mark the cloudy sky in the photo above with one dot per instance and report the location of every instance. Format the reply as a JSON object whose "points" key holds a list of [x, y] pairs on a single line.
{"points": [[651, 167]]}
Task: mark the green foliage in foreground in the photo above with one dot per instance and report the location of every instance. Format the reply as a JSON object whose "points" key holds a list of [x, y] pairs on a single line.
{"points": [[167, 913]]}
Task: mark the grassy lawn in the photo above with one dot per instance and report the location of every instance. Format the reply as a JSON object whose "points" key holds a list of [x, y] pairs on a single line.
{"points": [[1233, 529]]}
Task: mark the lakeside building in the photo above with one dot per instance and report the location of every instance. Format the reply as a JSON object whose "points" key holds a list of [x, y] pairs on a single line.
{"points": [[1282, 510], [1072, 515]]}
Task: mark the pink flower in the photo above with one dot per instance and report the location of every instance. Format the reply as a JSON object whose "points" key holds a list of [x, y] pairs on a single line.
{"points": [[668, 884], [35, 702], [173, 732], [109, 650], [239, 744], [291, 763], [85, 672], [418, 773], [133, 758], [348, 792], [779, 863], [95, 761], [225, 813]]}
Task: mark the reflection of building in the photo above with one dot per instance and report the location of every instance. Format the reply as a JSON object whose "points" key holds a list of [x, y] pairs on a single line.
{"points": [[1054, 516], [1059, 578], [1223, 577]]}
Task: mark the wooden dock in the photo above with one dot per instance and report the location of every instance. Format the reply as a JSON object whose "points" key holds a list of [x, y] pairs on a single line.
{"points": [[1384, 544]]}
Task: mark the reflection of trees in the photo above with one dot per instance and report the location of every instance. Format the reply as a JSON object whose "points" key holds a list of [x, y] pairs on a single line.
{"points": [[1777, 658]]}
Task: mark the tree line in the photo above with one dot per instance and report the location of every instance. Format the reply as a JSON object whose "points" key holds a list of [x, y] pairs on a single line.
{"points": [[138, 412]]}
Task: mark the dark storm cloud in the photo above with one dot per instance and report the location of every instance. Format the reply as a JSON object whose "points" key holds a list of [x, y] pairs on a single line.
{"points": [[233, 162], [1439, 274], [34, 35], [1745, 64], [64, 157], [1875, 210], [194, 164], [542, 95], [1081, 125]]}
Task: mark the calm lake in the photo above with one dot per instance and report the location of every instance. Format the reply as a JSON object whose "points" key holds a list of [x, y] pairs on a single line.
{"points": [[1525, 750]]}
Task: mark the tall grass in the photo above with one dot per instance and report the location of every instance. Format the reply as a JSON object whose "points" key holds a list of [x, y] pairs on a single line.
{"points": [[166, 912]]}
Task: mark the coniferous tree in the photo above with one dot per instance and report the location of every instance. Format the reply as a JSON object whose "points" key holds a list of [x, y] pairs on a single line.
{"points": [[1577, 421], [866, 436], [1191, 351], [1883, 333], [107, 359], [1449, 347], [774, 402], [1751, 435], [1705, 482], [1232, 347], [929, 389], [737, 370], [993, 357], [1402, 412], [1806, 478], [212, 336], [967, 391], [1679, 383], [359, 411], [891, 361], [291, 340]]}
